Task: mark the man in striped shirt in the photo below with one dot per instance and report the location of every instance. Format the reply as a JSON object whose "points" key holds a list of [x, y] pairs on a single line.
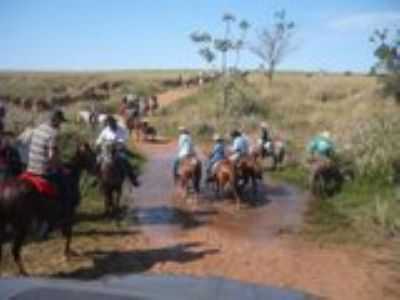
{"points": [[43, 160], [43, 152]]}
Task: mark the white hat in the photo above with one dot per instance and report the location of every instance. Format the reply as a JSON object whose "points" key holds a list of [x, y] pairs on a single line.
{"points": [[217, 137], [264, 124], [326, 134], [181, 128]]}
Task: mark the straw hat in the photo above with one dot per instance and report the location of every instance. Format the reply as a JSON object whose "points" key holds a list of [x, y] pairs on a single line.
{"points": [[217, 137], [264, 125], [326, 134]]}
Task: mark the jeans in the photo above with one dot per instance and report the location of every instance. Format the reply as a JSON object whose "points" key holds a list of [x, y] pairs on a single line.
{"points": [[175, 167]]}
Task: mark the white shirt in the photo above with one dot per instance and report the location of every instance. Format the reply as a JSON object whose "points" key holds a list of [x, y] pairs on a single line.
{"points": [[109, 136], [185, 145]]}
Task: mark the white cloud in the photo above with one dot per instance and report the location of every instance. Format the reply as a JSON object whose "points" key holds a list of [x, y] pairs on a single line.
{"points": [[366, 21]]}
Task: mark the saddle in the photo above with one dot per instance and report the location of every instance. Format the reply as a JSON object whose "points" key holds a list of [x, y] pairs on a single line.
{"points": [[43, 186]]}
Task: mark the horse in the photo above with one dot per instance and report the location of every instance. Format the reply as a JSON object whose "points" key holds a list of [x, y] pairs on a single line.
{"points": [[92, 119], [146, 106], [225, 177], [111, 178], [149, 132], [21, 203], [275, 149], [190, 170], [248, 171], [154, 104]]}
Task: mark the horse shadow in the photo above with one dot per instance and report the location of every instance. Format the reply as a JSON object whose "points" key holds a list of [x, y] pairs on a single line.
{"points": [[166, 215], [137, 261]]}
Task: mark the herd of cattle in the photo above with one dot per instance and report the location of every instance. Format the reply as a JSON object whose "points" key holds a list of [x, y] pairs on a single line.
{"points": [[61, 95]]}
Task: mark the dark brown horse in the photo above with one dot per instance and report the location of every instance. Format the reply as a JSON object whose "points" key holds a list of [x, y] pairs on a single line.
{"points": [[225, 177], [111, 177], [21, 204], [249, 170], [190, 171]]}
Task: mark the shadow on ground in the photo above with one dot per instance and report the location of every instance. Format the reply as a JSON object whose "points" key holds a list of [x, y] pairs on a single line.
{"points": [[138, 261]]}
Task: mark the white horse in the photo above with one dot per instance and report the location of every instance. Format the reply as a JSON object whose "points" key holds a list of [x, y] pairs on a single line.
{"points": [[86, 117]]}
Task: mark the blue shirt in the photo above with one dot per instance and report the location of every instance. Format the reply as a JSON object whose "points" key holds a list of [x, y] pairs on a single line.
{"points": [[240, 145], [218, 152], [321, 146]]}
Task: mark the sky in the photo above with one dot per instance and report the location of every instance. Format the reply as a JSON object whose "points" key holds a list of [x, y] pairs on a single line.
{"points": [[147, 34]]}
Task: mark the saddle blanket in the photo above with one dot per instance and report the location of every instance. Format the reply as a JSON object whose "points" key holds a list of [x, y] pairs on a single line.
{"points": [[42, 185]]}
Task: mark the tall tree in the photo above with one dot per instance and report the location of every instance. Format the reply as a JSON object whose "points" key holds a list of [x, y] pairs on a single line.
{"points": [[239, 44], [204, 39], [387, 52], [274, 44], [226, 44]]}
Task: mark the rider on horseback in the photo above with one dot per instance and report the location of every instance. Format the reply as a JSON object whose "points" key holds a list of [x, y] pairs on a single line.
{"points": [[44, 157], [185, 149], [240, 147], [117, 135], [217, 154], [321, 146], [265, 140], [93, 113]]}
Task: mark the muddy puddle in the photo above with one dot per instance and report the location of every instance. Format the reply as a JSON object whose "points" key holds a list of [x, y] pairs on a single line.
{"points": [[160, 213]]}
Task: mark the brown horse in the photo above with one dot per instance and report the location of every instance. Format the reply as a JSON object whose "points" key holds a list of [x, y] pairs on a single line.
{"points": [[111, 177], [154, 104], [190, 170], [21, 204], [225, 177], [249, 170]]}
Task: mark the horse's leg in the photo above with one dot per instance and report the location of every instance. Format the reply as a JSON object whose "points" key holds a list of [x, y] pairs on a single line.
{"points": [[254, 186], [16, 249], [67, 232], [118, 200], [107, 202], [217, 189]]}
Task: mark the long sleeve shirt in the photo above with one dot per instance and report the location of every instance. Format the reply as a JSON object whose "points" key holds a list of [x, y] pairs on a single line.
{"points": [[185, 145], [240, 145], [109, 136], [218, 152]]}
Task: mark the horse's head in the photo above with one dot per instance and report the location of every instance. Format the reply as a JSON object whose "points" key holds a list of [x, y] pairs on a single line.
{"points": [[85, 157]]}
